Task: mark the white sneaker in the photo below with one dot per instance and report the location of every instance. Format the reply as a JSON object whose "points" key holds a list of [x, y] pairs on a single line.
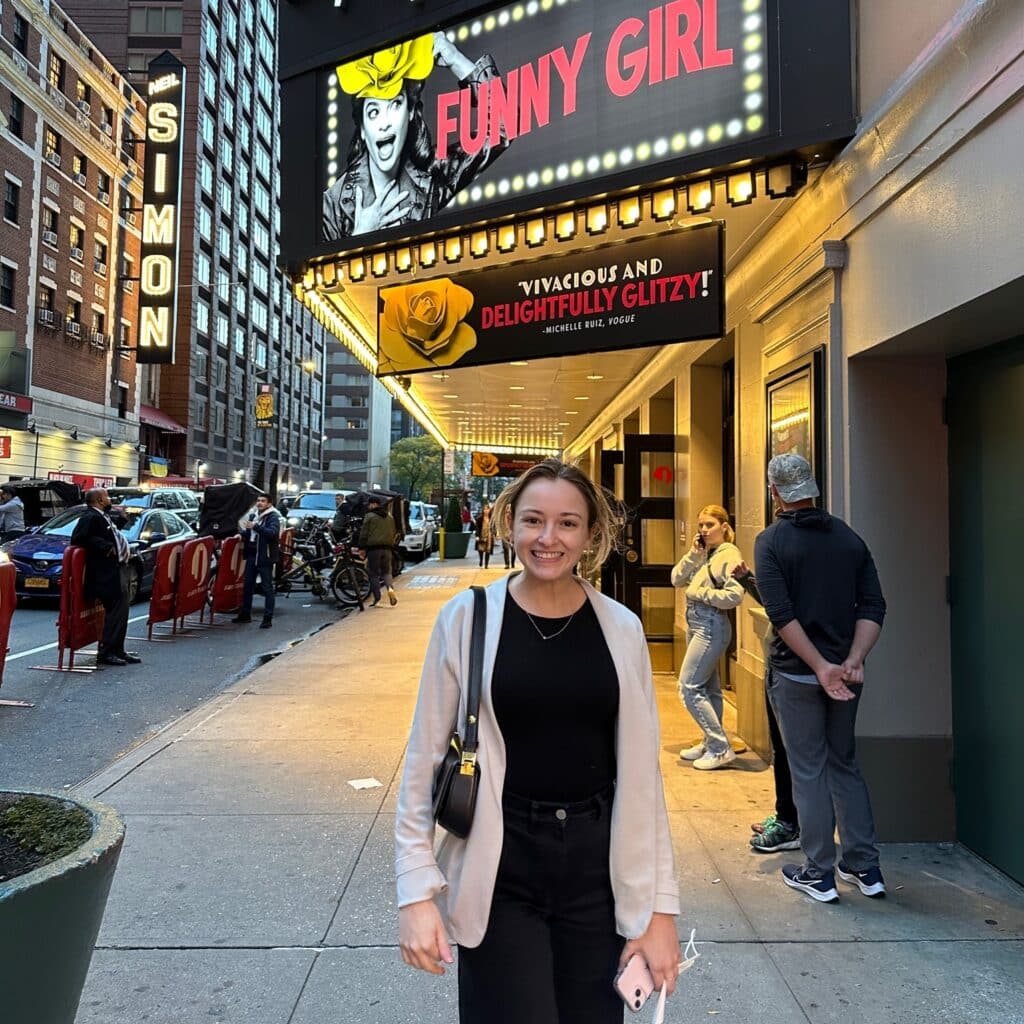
{"points": [[692, 753], [710, 761]]}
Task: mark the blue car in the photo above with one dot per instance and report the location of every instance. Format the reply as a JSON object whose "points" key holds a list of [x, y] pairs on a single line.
{"points": [[38, 556]]}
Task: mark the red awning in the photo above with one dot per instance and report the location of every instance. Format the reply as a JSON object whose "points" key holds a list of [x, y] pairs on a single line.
{"points": [[155, 418]]}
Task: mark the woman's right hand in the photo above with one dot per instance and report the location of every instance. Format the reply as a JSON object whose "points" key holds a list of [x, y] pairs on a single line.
{"points": [[421, 937], [386, 211]]}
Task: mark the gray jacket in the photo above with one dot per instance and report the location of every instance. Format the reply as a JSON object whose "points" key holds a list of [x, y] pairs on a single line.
{"points": [[12, 515]]}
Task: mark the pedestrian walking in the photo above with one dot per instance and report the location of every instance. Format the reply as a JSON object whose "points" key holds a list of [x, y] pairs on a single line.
{"points": [[706, 572], [509, 553], [12, 515], [484, 527], [377, 536], [467, 518], [567, 870], [106, 575], [781, 829], [821, 592], [261, 531]]}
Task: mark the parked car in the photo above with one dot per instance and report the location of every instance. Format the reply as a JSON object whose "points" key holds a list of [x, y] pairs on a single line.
{"points": [[418, 542], [38, 556], [179, 500], [319, 504]]}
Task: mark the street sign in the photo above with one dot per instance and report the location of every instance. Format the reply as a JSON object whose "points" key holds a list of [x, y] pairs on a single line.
{"points": [[449, 461]]}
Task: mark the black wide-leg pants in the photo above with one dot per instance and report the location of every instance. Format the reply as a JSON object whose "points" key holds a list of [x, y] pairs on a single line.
{"points": [[551, 951]]}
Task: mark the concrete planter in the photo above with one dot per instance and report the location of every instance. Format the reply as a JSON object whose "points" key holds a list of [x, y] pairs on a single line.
{"points": [[456, 544], [49, 920]]}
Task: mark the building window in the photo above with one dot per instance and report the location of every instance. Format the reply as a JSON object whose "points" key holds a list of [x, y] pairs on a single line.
{"points": [[77, 238], [55, 72], [47, 298], [157, 21], [52, 146], [16, 117], [51, 223], [74, 311], [12, 201], [6, 286], [99, 322], [202, 365], [20, 34], [79, 168], [218, 419], [83, 92], [122, 402], [103, 187], [100, 255]]}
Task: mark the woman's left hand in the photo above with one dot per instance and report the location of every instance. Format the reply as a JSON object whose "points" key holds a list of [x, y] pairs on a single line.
{"points": [[659, 946]]}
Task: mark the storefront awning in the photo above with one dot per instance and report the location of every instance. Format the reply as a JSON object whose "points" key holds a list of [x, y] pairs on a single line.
{"points": [[155, 418]]}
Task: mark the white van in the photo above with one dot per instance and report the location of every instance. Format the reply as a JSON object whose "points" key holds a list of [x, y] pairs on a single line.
{"points": [[418, 543]]}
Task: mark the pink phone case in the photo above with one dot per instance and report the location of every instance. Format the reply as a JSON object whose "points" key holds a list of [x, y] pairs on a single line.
{"points": [[634, 983]]}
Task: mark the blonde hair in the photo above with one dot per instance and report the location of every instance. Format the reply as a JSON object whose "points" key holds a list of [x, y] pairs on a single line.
{"points": [[719, 513], [601, 519]]}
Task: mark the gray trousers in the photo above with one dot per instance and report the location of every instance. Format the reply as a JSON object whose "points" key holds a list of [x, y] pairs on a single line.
{"points": [[827, 784], [378, 565]]}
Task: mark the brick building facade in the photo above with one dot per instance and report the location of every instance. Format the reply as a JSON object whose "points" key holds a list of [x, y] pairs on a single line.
{"points": [[69, 243]]}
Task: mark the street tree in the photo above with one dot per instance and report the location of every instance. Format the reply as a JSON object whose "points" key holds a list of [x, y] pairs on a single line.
{"points": [[416, 465]]}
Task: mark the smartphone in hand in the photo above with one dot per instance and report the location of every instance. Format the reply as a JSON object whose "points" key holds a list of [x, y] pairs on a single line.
{"points": [[634, 983], [700, 540]]}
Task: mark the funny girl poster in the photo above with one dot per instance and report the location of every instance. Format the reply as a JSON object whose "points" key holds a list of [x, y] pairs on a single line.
{"points": [[531, 97]]}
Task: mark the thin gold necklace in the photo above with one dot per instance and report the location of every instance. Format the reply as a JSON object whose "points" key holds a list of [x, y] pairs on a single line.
{"points": [[550, 636]]}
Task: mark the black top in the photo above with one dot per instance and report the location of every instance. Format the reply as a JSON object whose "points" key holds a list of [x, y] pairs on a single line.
{"points": [[813, 568], [556, 702], [95, 532]]}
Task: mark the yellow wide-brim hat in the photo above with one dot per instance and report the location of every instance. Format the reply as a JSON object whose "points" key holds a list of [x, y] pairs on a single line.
{"points": [[381, 75]]}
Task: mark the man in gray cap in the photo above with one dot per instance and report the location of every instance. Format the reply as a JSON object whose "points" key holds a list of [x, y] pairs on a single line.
{"points": [[821, 592]]}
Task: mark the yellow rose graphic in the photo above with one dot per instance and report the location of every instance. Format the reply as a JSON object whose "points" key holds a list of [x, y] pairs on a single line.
{"points": [[485, 464], [380, 76], [422, 325]]}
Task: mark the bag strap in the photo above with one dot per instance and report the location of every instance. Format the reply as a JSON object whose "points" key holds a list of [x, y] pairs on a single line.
{"points": [[476, 669]]}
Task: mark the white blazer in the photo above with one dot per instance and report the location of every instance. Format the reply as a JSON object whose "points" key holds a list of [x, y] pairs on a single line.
{"points": [[641, 861]]}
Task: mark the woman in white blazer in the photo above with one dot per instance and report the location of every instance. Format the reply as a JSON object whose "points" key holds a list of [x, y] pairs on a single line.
{"points": [[568, 869]]}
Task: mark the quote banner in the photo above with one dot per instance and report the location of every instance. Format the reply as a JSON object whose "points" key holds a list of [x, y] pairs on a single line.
{"points": [[652, 291]]}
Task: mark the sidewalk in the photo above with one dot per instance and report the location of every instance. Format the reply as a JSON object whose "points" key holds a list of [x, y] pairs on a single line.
{"points": [[256, 885]]}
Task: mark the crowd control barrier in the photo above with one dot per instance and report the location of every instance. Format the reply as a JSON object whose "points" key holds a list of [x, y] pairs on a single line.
{"points": [[228, 584], [286, 546], [8, 599], [80, 620], [193, 578], [162, 601]]}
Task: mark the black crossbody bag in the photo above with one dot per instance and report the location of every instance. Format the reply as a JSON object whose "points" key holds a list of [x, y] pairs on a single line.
{"points": [[458, 778]]}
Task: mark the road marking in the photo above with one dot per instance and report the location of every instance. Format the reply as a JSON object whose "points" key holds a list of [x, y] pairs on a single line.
{"points": [[47, 647]]}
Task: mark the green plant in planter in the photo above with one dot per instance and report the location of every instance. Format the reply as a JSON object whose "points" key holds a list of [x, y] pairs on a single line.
{"points": [[453, 516], [38, 832]]}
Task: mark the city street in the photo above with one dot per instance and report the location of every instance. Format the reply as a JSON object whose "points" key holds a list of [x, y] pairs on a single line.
{"points": [[82, 722]]}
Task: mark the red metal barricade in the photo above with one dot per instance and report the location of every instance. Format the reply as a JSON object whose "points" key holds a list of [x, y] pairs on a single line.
{"points": [[80, 621], [165, 585], [193, 577], [8, 599], [230, 579], [287, 548]]}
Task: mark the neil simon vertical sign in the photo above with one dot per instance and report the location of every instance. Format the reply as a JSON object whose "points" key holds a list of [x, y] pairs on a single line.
{"points": [[161, 210]]}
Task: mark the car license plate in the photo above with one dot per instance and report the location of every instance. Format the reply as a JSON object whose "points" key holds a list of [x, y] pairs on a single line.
{"points": [[38, 582]]}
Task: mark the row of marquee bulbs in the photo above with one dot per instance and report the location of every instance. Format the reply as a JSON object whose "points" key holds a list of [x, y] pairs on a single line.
{"points": [[73, 433], [662, 205]]}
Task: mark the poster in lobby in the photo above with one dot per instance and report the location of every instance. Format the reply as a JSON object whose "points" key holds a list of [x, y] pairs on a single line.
{"points": [[651, 291], [533, 97]]}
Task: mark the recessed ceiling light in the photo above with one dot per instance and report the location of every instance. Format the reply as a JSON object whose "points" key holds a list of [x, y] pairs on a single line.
{"points": [[582, 398], [563, 423], [572, 412], [519, 362], [514, 405], [595, 376], [449, 396], [441, 376], [516, 387]]}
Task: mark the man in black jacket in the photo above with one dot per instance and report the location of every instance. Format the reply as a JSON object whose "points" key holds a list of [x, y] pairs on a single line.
{"points": [[260, 529], [106, 575], [821, 592]]}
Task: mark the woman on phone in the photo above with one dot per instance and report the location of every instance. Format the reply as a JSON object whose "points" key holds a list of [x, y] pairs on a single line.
{"points": [[392, 175], [568, 869], [711, 590]]}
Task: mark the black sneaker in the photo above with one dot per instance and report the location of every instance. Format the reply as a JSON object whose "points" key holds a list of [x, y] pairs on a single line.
{"points": [[242, 618], [821, 889], [870, 882], [777, 835], [266, 623]]}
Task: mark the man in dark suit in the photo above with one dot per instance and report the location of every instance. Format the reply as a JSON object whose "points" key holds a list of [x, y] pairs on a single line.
{"points": [[260, 531], [106, 575]]}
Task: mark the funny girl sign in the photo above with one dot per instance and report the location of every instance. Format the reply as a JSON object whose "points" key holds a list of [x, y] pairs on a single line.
{"points": [[651, 291], [533, 97]]}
